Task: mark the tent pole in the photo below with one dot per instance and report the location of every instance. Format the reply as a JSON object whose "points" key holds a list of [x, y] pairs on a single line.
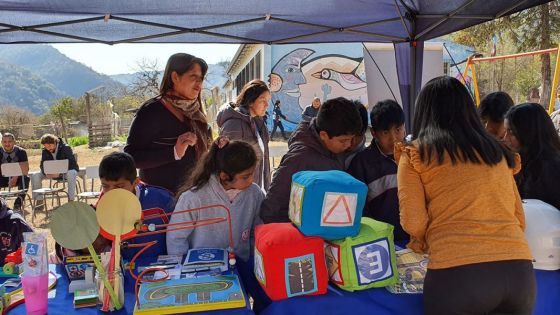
{"points": [[402, 20], [412, 91]]}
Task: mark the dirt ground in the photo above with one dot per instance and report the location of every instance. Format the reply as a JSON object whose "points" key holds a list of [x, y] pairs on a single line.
{"points": [[89, 157]]}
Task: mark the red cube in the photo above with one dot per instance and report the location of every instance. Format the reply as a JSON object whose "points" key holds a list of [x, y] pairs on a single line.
{"points": [[288, 263]]}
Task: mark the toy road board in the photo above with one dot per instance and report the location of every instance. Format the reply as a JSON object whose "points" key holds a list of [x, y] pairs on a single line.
{"points": [[190, 295], [17, 298]]}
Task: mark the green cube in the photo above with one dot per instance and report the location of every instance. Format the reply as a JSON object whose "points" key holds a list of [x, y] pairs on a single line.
{"points": [[365, 261]]}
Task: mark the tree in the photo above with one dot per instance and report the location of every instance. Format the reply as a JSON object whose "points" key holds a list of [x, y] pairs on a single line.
{"points": [[122, 104], [13, 118], [146, 83], [63, 110], [539, 27], [532, 29]]}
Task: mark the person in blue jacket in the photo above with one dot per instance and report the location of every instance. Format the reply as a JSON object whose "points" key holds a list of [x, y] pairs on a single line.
{"points": [[117, 170]]}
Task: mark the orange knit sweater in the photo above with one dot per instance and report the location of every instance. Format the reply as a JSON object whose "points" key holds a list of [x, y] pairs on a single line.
{"points": [[460, 214]]}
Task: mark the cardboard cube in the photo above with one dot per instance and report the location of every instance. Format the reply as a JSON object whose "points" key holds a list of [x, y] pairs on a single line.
{"points": [[365, 261], [328, 204], [288, 263]]}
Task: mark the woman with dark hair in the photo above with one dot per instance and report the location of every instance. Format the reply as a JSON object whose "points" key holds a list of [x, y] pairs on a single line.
{"points": [[459, 203], [170, 132], [531, 133], [245, 122]]}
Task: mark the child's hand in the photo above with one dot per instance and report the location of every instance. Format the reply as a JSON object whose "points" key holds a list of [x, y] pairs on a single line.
{"points": [[54, 259], [184, 141]]}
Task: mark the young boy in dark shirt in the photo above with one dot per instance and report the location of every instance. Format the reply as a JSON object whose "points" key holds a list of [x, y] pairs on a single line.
{"points": [[376, 165]]}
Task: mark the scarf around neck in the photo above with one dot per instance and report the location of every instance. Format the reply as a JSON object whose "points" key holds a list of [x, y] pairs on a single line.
{"points": [[192, 111]]}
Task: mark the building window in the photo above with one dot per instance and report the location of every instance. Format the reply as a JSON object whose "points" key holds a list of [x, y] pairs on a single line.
{"points": [[258, 65], [446, 68], [251, 71]]}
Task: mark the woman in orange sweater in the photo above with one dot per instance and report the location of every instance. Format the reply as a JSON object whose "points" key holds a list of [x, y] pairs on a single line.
{"points": [[460, 204]]}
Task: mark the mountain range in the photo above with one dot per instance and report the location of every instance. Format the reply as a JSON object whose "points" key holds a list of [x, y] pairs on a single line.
{"points": [[35, 76]]}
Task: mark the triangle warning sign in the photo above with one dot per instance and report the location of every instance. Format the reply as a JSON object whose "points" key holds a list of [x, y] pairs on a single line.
{"points": [[340, 213]]}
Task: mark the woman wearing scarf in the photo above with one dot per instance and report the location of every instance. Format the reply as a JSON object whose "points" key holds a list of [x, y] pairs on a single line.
{"points": [[170, 132], [245, 122]]}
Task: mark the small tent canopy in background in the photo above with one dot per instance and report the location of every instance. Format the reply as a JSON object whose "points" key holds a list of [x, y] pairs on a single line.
{"points": [[407, 23]]}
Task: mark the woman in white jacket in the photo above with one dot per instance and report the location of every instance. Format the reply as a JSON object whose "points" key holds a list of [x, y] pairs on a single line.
{"points": [[224, 176]]}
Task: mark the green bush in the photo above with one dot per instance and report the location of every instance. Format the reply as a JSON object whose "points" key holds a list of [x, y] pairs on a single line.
{"points": [[121, 138], [77, 141]]}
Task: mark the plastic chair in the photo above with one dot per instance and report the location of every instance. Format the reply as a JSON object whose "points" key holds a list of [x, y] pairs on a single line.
{"points": [[11, 170], [92, 172], [78, 185], [50, 168]]}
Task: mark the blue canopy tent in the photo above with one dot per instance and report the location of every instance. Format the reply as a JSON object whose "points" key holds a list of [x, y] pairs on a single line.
{"points": [[406, 23]]}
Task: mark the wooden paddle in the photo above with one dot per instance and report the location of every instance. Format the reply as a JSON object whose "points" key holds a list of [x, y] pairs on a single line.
{"points": [[74, 226], [118, 211]]}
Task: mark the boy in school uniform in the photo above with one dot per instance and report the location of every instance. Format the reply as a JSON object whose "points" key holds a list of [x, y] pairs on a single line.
{"points": [[376, 166], [316, 147]]}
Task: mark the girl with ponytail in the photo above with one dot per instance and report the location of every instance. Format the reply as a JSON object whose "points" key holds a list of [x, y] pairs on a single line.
{"points": [[223, 176]]}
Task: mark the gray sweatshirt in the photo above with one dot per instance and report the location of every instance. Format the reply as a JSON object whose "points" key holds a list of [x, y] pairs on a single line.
{"points": [[244, 216]]}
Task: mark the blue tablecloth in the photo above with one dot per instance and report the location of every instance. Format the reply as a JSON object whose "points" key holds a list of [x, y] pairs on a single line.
{"points": [[381, 302], [62, 302]]}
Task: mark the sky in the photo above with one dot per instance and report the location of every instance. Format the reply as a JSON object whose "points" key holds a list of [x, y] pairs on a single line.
{"points": [[123, 58]]}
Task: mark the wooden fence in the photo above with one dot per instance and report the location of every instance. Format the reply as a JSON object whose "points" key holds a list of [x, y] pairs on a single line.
{"points": [[99, 135]]}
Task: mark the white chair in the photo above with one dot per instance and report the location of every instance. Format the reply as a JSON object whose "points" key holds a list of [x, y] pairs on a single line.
{"points": [[61, 181], [11, 170], [92, 172], [50, 168]]}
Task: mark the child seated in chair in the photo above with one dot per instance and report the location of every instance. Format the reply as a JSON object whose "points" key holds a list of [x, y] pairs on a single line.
{"points": [[12, 226]]}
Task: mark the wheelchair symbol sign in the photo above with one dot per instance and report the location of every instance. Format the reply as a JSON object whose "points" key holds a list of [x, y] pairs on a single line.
{"points": [[31, 249]]}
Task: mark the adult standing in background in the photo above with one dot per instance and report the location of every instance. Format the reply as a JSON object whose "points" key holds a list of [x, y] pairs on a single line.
{"points": [[170, 132], [245, 122], [278, 116], [311, 111]]}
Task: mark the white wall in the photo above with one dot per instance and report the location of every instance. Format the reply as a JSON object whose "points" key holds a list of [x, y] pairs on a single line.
{"points": [[384, 56]]}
